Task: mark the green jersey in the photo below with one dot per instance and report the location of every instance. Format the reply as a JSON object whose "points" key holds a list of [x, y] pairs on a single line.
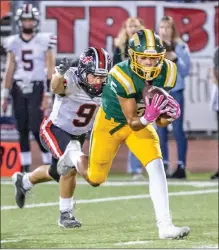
{"points": [[122, 81]]}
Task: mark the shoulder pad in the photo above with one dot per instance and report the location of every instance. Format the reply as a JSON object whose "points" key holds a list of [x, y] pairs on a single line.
{"points": [[122, 77], [71, 76], [171, 72]]}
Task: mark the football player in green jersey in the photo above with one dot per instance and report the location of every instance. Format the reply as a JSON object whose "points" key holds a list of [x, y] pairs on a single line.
{"points": [[117, 122]]}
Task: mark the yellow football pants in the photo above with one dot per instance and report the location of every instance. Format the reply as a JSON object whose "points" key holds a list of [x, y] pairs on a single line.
{"points": [[144, 144]]}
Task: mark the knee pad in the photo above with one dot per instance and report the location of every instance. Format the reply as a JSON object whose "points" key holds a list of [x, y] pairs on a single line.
{"points": [[53, 173]]}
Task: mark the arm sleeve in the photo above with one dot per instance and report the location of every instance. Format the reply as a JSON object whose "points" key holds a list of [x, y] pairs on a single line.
{"points": [[70, 79], [170, 75], [47, 41], [183, 59]]}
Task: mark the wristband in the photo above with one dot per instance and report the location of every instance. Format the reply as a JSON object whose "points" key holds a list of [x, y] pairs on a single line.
{"points": [[5, 92], [47, 94], [144, 121]]}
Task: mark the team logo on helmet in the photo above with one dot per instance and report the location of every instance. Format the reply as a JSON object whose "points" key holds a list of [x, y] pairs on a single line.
{"points": [[150, 51], [86, 59]]}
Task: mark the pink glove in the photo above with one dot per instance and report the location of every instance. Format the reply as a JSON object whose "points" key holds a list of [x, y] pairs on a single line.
{"points": [[174, 111], [153, 111]]}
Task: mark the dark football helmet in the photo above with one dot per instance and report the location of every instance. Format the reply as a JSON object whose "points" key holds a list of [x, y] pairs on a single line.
{"points": [[27, 11], [94, 61]]}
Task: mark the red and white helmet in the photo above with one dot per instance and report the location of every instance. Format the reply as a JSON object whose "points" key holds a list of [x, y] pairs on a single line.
{"points": [[95, 61], [27, 11]]}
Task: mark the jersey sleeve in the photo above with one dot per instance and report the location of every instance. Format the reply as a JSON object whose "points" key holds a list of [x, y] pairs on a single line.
{"points": [[69, 82], [52, 41], [10, 44], [121, 83], [70, 78], [48, 41], [171, 75]]}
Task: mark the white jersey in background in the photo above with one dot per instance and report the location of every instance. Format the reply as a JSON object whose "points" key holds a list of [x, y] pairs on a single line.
{"points": [[74, 112], [30, 55]]}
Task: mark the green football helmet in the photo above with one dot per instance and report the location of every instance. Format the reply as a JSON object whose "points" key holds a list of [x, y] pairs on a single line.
{"points": [[145, 43]]}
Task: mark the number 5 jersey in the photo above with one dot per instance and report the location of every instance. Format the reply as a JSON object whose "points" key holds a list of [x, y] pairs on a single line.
{"points": [[30, 55], [75, 111]]}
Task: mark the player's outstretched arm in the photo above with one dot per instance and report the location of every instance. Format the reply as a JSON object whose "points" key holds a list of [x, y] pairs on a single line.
{"points": [[58, 81]]}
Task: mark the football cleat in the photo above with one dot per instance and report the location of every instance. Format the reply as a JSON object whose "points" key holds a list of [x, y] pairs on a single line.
{"points": [[172, 232], [180, 173], [215, 176], [66, 220], [20, 192]]}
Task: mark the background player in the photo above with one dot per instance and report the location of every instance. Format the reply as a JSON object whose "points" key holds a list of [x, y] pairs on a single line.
{"points": [[117, 122], [78, 92], [29, 56]]}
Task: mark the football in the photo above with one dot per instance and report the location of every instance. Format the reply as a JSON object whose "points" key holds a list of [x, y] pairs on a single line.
{"points": [[150, 91]]}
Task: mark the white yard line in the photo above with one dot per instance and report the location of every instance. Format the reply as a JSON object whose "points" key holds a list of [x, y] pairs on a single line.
{"points": [[130, 197], [136, 183], [8, 241], [128, 243], [207, 246]]}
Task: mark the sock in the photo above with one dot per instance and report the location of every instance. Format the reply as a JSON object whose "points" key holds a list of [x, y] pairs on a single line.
{"points": [[46, 158], [65, 204], [159, 191], [25, 158], [27, 185]]}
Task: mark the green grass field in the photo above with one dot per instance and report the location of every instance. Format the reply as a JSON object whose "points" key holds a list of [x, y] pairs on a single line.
{"points": [[116, 215]]}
